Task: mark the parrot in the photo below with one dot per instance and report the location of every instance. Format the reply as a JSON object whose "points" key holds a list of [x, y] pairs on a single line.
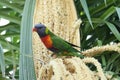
{"points": [[54, 43]]}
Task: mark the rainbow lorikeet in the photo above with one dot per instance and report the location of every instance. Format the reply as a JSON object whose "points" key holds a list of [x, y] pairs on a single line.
{"points": [[55, 43]]}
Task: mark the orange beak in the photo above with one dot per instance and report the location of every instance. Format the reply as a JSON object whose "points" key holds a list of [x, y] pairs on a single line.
{"points": [[34, 30]]}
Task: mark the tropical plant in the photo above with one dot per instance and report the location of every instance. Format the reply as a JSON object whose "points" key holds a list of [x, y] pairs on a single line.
{"points": [[104, 29], [10, 10]]}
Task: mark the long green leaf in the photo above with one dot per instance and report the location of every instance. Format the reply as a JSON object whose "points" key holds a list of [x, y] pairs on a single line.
{"points": [[26, 71], [19, 2], [105, 2], [9, 26], [100, 8], [5, 43], [5, 10], [114, 30], [85, 7], [108, 13], [118, 12], [2, 61], [11, 18], [12, 6], [10, 35]]}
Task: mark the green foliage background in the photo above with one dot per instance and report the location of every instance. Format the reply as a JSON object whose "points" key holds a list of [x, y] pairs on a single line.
{"points": [[100, 21]]}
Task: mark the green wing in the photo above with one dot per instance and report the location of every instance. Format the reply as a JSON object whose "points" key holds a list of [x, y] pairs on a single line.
{"points": [[62, 45]]}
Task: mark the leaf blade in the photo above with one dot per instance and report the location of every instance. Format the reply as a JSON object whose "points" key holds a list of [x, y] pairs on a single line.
{"points": [[85, 7], [26, 71], [114, 30], [12, 6], [118, 12], [2, 61]]}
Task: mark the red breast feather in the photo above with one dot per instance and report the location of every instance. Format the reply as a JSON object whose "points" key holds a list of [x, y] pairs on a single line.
{"points": [[47, 41]]}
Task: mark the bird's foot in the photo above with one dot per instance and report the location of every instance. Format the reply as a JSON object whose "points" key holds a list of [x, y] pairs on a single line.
{"points": [[54, 56]]}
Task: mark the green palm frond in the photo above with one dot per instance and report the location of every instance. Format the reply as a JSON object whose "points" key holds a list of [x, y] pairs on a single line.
{"points": [[26, 63]]}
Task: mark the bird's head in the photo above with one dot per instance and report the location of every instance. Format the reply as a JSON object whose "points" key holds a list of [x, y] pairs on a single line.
{"points": [[41, 30]]}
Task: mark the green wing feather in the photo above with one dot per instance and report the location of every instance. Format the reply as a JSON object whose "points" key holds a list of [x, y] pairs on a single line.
{"points": [[64, 46]]}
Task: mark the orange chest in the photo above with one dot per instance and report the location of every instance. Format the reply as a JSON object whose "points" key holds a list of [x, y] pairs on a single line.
{"points": [[47, 41]]}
